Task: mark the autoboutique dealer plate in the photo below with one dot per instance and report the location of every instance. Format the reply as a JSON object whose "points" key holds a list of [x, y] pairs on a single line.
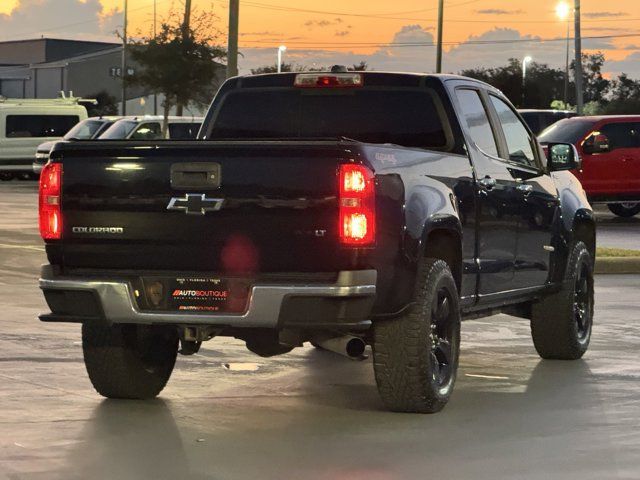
{"points": [[199, 295]]}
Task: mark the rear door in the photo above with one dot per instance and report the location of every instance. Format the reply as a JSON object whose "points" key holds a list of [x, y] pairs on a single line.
{"points": [[536, 197], [498, 209], [616, 171]]}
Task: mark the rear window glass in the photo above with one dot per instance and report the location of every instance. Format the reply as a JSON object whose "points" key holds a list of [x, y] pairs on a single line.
{"points": [[25, 126], [119, 130], [183, 131], [566, 131], [402, 117]]}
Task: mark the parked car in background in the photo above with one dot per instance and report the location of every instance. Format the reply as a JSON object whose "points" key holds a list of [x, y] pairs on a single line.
{"points": [[87, 129], [610, 151], [149, 127], [26, 123], [538, 120]]}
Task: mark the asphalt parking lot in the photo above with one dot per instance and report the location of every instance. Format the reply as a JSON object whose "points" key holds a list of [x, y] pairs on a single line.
{"points": [[228, 414]]}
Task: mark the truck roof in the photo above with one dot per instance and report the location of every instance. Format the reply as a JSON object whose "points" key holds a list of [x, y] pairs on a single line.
{"points": [[385, 78]]}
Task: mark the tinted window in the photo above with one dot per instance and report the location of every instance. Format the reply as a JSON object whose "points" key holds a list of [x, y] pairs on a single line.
{"points": [[21, 126], [147, 131], [183, 131], [533, 120], [407, 118], [119, 130], [84, 130], [622, 135], [566, 131], [477, 120], [519, 141]]}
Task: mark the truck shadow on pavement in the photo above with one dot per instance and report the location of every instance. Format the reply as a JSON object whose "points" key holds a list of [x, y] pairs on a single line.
{"points": [[289, 437]]}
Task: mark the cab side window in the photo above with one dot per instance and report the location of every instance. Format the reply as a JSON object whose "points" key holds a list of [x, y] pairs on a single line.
{"points": [[477, 120], [622, 135], [519, 142]]}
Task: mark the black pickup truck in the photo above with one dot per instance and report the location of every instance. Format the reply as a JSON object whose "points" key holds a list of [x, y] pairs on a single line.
{"points": [[336, 208]]}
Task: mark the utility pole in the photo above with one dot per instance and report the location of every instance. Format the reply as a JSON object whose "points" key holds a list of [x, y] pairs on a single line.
{"points": [[186, 23], [578, 69], [187, 19], [155, 32], [232, 46], [123, 67], [439, 46]]}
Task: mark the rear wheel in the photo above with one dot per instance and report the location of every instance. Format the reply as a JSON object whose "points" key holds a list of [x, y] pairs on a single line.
{"points": [[561, 323], [129, 361], [415, 356], [625, 210], [6, 176]]}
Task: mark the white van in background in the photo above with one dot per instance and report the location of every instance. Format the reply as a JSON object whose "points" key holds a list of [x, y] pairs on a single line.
{"points": [[149, 127], [26, 123]]}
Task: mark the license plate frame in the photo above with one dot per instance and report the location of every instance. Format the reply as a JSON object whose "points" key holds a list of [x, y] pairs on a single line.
{"points": [[198, 294]]}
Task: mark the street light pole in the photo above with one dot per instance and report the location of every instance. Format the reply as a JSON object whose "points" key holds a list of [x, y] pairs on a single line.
{"points": [[525, 60], [566, 67], [123, 67], [281, 49], [578, 70], [232, 45], [439, 46]]}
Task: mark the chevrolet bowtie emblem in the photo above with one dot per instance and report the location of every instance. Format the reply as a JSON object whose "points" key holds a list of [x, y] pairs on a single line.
{"points": [[195, 204]]}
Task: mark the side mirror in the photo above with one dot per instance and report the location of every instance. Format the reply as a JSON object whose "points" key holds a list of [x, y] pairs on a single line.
{"points": [[596, 143], [563, 156]]}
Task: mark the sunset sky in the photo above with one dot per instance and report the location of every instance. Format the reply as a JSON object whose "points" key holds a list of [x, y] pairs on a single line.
{"points": [[376, 31]]}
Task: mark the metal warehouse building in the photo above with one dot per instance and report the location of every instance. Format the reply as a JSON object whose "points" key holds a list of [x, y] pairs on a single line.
{"points": [[44, 67]]}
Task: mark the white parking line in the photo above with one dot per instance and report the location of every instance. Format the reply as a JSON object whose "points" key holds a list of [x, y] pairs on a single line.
{"points": [[24, 247]]}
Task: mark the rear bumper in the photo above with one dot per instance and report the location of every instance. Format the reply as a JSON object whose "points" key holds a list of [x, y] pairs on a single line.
{"points": [[345, 303]]}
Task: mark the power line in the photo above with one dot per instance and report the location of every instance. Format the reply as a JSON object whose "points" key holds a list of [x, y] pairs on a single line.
{"points": [[433, 44], [391, 16], [283, 8]]}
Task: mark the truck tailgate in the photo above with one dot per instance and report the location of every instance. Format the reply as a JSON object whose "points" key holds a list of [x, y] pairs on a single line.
{"points": [[273, 207]]}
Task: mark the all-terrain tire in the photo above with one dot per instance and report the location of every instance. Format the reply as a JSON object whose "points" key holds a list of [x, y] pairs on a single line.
{"points": [[624, 210], [561, 323], [129, 361], [407, 364]]}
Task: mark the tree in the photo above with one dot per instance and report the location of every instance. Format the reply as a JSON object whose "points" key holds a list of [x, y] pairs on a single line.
{"points": [[285, 67], [594, 84], [291, 67], [543, 84], [180, 63], [107, 104], [624, 97]]}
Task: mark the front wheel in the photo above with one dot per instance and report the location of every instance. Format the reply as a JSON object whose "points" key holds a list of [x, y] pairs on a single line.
{"points": [[625, 210], [129, 361], [415, 356], [561, 323]]}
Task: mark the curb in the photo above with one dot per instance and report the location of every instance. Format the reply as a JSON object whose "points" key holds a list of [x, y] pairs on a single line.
{"points": [[617, 265]]}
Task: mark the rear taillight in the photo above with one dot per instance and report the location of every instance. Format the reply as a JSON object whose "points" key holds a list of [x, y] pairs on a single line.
{"points": [[357, 206], [50, 201]]}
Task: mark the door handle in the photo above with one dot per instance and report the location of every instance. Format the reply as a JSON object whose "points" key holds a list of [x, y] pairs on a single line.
{"points": [[525, 188], [487, 182]]}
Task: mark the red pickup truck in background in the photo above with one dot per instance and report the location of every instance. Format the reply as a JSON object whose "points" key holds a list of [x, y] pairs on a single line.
{"points": [[610, 151]]}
